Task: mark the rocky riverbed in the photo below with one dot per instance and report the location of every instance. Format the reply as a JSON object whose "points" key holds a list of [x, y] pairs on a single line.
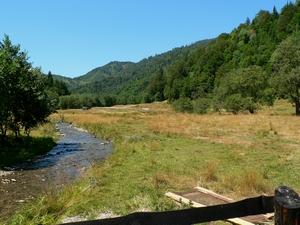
{"points": [[76, 151]]}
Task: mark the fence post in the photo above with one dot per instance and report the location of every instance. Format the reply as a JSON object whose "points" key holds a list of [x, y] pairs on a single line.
{"points": [[287, 206]]}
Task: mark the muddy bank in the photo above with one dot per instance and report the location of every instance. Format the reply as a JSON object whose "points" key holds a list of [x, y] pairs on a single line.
{"points": [[74, 153]]}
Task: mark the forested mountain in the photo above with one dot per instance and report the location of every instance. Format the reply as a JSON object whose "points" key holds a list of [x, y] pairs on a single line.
{"points": [[127, 81], [237, 71], [71, 83], [112, 69]]}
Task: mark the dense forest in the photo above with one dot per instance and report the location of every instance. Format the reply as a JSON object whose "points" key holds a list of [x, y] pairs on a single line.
{"points": [[252, 66]]}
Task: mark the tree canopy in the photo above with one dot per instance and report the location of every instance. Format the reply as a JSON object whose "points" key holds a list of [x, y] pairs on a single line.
{"points": [[286, 67]]}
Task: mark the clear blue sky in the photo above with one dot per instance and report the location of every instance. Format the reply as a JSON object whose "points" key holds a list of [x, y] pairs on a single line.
{"points": [[71, 37]]}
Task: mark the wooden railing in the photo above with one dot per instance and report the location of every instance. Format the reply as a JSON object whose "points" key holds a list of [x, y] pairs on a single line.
{"points": [[286, 203]]}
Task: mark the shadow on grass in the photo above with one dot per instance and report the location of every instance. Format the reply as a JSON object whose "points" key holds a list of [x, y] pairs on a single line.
{"points": [[14, 151]]}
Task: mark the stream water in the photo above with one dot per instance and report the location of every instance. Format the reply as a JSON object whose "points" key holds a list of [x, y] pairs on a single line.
{"points": [[76, 151]]}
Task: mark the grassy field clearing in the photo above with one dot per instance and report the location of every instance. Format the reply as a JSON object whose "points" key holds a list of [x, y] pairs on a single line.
{"points": [[157, 150]]}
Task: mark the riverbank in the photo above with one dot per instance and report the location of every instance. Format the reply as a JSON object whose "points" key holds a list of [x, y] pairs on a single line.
{"points": [[158, 150], [41, 141]]}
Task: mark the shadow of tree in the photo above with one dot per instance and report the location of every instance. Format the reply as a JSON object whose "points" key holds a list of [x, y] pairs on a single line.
{"points": [[18, 150]]}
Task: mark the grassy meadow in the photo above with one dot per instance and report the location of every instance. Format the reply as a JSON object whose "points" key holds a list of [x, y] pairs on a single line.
{"points": [[157, 150]]}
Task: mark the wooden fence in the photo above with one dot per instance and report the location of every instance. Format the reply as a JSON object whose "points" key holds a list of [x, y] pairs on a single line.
{"points": [[286, 204]]}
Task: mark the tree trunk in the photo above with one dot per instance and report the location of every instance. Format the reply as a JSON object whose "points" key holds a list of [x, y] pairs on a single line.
{"points": [[297, 106]]}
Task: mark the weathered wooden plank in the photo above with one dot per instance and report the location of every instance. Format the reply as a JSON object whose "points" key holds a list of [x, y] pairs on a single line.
{"points": [[226, 199], [184, 200], [214, 194]]}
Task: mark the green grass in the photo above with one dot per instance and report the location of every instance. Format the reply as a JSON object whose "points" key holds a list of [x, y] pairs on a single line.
{"points": [[24, 148], [17, 150], [146, 163]]}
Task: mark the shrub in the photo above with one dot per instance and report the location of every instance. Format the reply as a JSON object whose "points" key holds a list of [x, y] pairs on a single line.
{"points": [[250, 105], [216, 104], [183, 105], [234, 103], [201, 105]]}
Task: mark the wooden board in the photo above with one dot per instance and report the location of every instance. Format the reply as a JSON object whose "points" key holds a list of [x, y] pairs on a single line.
{"points": [[201, 197], [198, 205]]}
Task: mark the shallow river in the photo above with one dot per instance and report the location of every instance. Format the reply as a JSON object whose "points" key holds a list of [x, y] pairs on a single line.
{"points": [[74, 153]]}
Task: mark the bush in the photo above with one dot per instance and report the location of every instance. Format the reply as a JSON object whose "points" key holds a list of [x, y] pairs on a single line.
{"points": [[250, 105], [217, 104], [183, 105], [201, 105], [234, 103]]}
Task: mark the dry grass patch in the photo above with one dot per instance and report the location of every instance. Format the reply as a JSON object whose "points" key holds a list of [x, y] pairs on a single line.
{"points": [[240, 129], [251, 182], [176, 181], [209, 173], [80, 118]]}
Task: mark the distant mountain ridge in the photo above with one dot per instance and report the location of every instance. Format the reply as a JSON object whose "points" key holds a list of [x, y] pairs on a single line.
{"points": [[111, 69]]}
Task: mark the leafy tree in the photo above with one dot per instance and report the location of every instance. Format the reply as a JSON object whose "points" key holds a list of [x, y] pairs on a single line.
{"points": [[23, 100], [285, 62], [247, 86]]}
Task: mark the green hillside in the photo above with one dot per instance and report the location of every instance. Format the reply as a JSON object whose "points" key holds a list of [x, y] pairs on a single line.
{"points": [[71, 83], [112, 69]]}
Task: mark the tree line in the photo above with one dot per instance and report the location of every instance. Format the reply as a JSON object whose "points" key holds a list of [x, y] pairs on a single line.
{"points": [[79, 101]]}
